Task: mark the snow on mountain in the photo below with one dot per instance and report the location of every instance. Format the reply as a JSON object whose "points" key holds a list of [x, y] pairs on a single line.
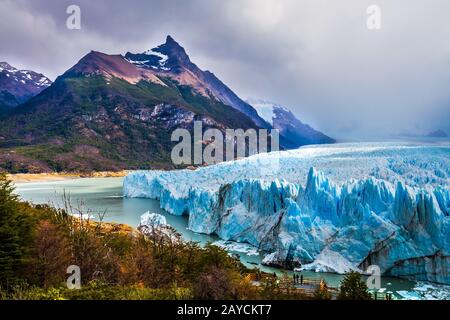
{"points": [[161, 61], [171, 60], [295, 132], [267, 110], [17, 86], [325, 208], [27, 77]]}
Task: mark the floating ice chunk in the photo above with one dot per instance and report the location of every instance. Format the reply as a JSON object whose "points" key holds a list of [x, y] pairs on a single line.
{"points": [[153, 219], [237, 247], [330, 261], [83, 216]]}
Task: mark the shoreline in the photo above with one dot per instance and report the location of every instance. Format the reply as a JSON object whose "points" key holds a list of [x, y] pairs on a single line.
{"points": [[61, 176]]}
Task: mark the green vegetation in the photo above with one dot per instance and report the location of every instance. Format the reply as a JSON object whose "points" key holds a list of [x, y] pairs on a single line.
{"points": [[88, 123], [322, 292], [38, 243], [353, 288], [15, 234]]}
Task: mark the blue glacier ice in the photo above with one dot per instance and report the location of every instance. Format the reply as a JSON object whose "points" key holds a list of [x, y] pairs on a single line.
{"points": [[153, 219], [324, 208]]}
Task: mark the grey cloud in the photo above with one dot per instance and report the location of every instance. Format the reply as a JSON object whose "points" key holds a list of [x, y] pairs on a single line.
{"points": [[316, 57]]}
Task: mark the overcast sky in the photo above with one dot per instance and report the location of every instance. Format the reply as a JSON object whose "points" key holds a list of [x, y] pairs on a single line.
{"points": [[317, 57]]}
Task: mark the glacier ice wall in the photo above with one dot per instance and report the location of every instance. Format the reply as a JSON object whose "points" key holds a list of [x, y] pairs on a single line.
{"points": [[347, 215]]}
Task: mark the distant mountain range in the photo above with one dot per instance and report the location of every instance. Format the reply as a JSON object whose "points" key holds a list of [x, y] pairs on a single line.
{"points": [[17, 86], [112, 112], [423, 133], [438, 134], [295, 132]]}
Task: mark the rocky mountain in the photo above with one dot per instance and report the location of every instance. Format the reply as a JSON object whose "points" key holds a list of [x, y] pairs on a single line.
{"points": [[17, 86], [109, 112], [112, 112], [295, 132], [170, 60]]}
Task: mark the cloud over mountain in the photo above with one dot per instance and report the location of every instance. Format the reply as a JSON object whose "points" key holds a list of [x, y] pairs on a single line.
{"points": [[315, 55]]}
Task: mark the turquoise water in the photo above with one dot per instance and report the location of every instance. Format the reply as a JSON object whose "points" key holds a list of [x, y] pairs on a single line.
{"points": [[100, 195]]}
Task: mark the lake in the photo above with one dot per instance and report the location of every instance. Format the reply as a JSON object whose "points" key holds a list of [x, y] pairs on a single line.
{"points": [[99, 195]]}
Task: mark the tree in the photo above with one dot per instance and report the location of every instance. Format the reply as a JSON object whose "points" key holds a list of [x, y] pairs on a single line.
{"points": [[16, 234], [286, 284], [322, 292], [214, 284], [353, 288], [270, 288], [52, 255]]}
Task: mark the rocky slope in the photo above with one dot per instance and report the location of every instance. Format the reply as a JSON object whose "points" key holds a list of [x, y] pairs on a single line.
{"points": [[106, 113], [295, 132], [171, 60], [114, 112]]}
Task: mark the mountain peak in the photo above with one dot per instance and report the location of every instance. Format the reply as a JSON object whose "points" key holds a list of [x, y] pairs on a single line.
{"points": [[173, 50], [169, 56], [6, 66], [95, 53], [25, 77], [169, 39], [17, 86], [172, 44], [268, 109], [296, 132]]}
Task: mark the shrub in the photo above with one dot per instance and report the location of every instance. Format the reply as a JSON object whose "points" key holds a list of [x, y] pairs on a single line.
{"points": [[38, 243], [353, 288], [16, 235], [214, 284], [322, 292], [52, 255]]}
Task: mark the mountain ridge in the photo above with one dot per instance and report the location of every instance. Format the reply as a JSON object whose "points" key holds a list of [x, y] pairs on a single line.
{"points": [[17, 86], [115, 112], [296, 132], [182, 69], [106, 114]]}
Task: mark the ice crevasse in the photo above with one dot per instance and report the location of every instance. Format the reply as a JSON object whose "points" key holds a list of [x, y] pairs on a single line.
{"points": [[322, 208]]}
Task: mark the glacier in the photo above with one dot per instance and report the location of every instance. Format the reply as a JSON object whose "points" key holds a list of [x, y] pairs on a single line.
{"points": [[328, 208], [152, 219]]}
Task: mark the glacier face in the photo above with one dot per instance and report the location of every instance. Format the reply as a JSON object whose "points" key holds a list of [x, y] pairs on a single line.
{"points": [[325, 208]]}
